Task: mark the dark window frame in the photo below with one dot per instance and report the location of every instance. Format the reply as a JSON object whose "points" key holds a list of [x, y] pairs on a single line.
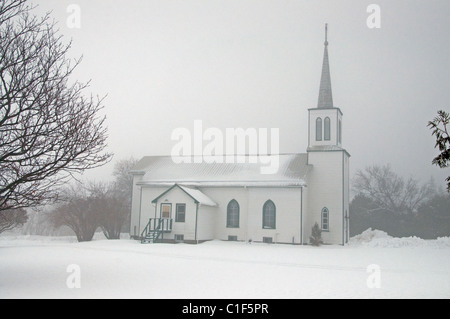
{"points": [[161, 210], [327, 129], [178, 237], [177, 213], [340, 132], [319, 129], [230, 221], [265, 223], [325, 224]]}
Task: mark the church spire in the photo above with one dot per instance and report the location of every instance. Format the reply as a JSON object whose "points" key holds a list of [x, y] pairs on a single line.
{"points": [[325, 94]]}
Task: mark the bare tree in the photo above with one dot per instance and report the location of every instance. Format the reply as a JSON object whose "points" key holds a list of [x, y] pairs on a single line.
{"points": [[440, 131], [12, 218], [123, 180], [123, 184], [84, 208], [109, 208], [48, 128], [113, 200], [11, 9], [37, 224], [390, 192], [77, 211]]}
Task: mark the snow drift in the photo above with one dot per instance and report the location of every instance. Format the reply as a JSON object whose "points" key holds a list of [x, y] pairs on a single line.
{"points": [[378, 238]]}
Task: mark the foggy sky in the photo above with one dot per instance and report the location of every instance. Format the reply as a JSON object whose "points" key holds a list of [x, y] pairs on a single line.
{"points": [[257, 63]]}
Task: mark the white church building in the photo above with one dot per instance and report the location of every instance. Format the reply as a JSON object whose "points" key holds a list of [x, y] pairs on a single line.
{"points": [[197, 202]]}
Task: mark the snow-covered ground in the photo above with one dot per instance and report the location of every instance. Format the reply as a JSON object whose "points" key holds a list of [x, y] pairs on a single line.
{"points": [[36, 267]]}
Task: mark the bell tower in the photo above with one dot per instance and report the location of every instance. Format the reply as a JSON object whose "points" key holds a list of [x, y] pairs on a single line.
{"points": [[325, 121], [328, 180]]}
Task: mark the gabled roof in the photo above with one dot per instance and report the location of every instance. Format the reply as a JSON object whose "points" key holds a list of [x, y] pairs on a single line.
{"points": [[200, 197], [163, 171], [195, 194]]}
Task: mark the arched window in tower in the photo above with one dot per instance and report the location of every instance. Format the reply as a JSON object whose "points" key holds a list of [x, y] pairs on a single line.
{"points": [[318, 129], [327, 129], [340, 131], [269, 215], [325, 219], [233, 214]]}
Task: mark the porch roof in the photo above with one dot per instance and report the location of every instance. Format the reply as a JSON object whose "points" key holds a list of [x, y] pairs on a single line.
{"points": [[195, 194]]}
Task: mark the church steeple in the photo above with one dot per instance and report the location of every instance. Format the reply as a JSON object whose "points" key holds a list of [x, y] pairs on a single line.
{"points": [[325, 120], [325, 93]]}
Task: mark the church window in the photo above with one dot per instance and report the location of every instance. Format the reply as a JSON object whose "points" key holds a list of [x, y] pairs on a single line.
{"points": [[340, 131], [327, 129], [325, 219], [318, 129], [233, 214], [269, 215]]}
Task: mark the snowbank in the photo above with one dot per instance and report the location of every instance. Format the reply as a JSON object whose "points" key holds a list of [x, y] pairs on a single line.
{"points": [[369, 238], [378, 238], [14, 239]]}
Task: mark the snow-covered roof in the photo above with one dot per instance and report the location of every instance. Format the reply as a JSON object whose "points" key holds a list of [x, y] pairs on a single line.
{"points": [[199, 196], [195, 194], [163, 171]]}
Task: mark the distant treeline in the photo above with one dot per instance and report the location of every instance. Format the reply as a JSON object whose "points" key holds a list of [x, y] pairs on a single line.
{"points": [[400, 207], [430, 221]]}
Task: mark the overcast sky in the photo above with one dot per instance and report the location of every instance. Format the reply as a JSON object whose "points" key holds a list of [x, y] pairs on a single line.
{"points": [[257, 63]]}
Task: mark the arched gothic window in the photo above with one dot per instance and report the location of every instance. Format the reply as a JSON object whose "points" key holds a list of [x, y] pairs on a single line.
{"points": [[318, 129], [233, 214], [327, 129], [269, 215]]}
